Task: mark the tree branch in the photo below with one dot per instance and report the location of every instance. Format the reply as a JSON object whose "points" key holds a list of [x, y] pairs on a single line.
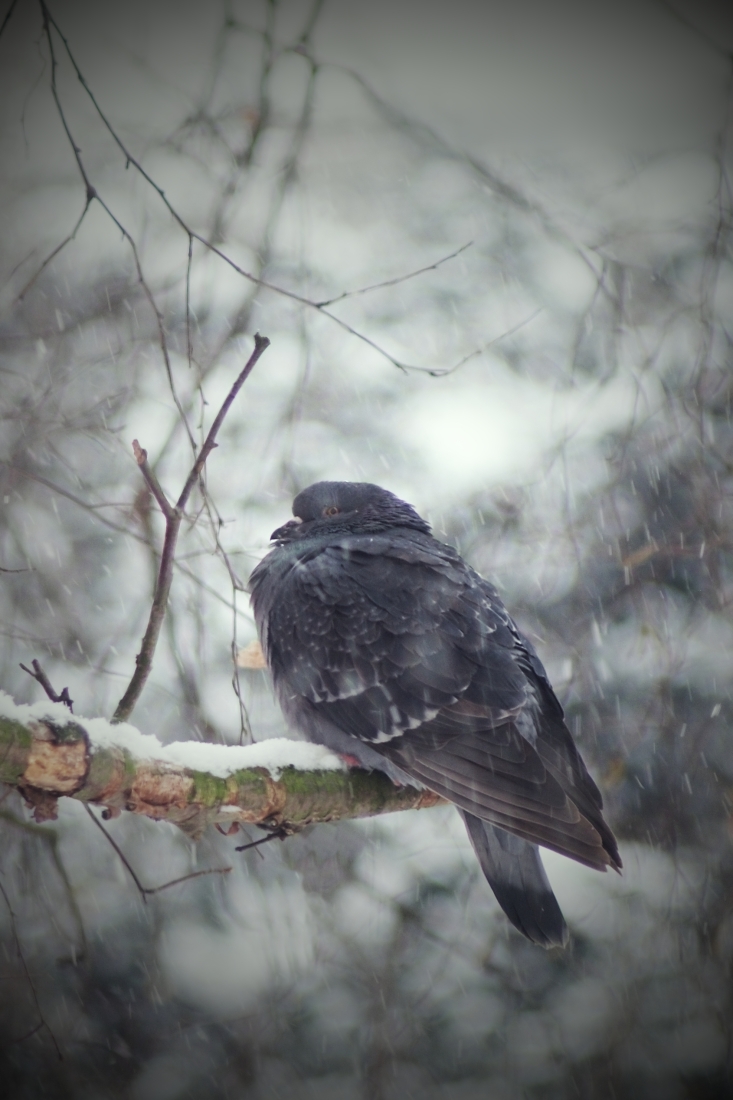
{"points": [[46, 760], [173, 517]]}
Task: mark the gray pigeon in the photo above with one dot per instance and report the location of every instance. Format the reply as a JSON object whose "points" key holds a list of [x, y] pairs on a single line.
{"points": [[387, 647]]}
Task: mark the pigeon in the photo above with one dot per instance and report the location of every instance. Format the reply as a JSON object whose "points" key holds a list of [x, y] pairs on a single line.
{"points": [[388, 648]]}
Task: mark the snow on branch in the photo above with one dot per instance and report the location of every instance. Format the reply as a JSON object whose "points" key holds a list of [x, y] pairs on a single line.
{"points": [[47, 753]]}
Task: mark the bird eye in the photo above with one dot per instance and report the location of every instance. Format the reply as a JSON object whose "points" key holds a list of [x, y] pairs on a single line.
{"points": [[331, 511]]}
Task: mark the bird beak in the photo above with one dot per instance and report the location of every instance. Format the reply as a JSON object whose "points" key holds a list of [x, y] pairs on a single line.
{"points": [[287, 531]]}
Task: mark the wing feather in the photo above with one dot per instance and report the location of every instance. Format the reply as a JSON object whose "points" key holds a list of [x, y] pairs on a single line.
{"points": [[395, 641]]}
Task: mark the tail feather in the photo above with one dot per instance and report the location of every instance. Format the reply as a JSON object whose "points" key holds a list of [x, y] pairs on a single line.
{"points": [[515, 873]]}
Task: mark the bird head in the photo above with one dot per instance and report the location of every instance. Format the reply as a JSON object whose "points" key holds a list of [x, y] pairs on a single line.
{"points": [[352, 507]]}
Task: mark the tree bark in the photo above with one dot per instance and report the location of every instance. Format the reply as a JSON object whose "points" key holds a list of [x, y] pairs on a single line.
{"points": [[45, 761]]}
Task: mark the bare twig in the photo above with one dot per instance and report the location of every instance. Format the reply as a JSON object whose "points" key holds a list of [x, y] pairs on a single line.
{"points": [[261, 345], [144, 659], [38, 674], [437, 373], [28, 1034], [141, 457], [191, 234], [146, 891], [24, 964], [424, 134], [59, 247], [92, 195], [8, 14], [395, 281], [187, 878], [120, 853], [50, 839], [698, 31], [88, 507], [189, 261], [245, 730], [85, 504], [276, 834], [311, 21]]}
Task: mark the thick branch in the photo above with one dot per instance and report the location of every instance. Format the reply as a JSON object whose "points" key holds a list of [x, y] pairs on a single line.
{"points": [[46, 760]]}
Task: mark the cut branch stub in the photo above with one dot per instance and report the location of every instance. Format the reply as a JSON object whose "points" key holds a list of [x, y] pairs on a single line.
{"points": [[56, 761]]}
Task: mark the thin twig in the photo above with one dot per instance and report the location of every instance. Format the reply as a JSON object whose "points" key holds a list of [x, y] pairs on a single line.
{"points": [[38, 674], [437, 373], [28, 1034], [92, 195], [189, 261], [261, 345], [8, 14], [245, 731], [146, 891], [162, 340], [49, 838], [141, 457], [424, 134], [277, 834], [57, 249], [144, 659], [191, 234], [54, 488], [19, 949], [187, 878], [120, 853], [47, 20], [395, 281]]}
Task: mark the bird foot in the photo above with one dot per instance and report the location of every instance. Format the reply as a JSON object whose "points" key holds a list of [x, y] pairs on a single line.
{"points": [[351, 761]]}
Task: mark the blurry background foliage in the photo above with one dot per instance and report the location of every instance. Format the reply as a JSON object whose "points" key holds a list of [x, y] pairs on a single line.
{"points": [[556, 398]]}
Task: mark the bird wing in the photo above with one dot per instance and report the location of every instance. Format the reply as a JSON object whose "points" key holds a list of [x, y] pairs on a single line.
{"points": [[398, 643]]}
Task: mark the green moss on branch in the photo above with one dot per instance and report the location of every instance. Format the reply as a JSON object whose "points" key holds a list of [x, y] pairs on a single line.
{"points": [[46, 761]]}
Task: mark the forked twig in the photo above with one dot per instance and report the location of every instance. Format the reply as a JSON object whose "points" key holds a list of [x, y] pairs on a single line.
{"points": [[38, 674], [146, 891], [173, 518]]}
